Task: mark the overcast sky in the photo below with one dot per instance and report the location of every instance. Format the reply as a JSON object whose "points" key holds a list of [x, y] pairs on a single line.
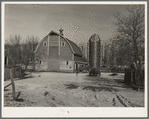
{"points": [[78, 21]]}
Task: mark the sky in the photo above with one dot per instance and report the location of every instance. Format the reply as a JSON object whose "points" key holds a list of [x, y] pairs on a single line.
{"points": [[78, 21]]}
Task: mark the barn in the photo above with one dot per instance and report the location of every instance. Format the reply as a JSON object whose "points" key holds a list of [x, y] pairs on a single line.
{"points": [[57, 53]]}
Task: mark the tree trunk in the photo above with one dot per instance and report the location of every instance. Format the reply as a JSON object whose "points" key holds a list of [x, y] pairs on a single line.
{"points": [[135, 51]]}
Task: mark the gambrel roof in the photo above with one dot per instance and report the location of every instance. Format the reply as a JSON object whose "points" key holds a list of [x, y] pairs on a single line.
{"points": [[74, 48]]}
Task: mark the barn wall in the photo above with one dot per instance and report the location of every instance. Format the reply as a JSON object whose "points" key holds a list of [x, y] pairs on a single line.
{"points": [[65, 51], [41, 66], [42, 49], [53, 47], [67, 66], [56, 59], [53, 65]]}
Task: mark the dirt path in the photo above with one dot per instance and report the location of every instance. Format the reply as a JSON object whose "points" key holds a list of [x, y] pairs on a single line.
{"points": [[66, 90]]}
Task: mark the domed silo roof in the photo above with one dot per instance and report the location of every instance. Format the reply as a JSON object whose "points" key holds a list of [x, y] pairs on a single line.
{"points": [[94, 37]]}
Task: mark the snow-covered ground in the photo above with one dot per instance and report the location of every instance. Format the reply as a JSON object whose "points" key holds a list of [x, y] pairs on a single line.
{"points": [[49, 89]]}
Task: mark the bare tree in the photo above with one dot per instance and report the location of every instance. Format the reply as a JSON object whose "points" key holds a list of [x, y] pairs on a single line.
{"points": [[28, 48], [20, 52], [13, 49], [131, 28], [123, 50]]}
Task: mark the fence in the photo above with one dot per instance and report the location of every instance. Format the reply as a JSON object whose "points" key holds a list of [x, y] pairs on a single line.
{"points": [[134, 76], [16, 72]]}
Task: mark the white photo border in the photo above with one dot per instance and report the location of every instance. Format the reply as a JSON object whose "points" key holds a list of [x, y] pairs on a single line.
{"points": [[74, 111]]}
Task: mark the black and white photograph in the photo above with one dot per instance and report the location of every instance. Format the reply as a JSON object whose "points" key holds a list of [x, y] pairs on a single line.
{"points": [[74, 59]]}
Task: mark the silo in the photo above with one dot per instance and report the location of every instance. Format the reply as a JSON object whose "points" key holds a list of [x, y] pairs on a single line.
{"points": [[94, 55]]}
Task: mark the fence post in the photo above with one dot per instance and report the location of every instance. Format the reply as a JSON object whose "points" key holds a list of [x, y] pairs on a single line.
{"points": [[13, 85], [131, 77]]}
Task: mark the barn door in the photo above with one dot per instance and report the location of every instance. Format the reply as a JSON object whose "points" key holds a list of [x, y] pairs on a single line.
{"points": [[54, 65]]}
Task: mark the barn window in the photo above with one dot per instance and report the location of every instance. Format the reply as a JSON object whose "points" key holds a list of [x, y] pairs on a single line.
{"points": [[6, 60], [63, 43], [66, 62], [44, 43]]}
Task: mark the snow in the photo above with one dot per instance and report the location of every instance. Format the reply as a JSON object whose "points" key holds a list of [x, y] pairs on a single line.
{"points": [[51, 89]]}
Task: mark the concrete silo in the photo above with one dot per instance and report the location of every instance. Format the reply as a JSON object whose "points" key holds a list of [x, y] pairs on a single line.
{"points": [[94, 55]]}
